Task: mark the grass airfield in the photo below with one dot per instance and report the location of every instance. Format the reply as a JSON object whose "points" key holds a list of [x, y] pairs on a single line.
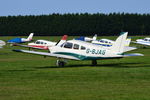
{"points": [[33, 77]]}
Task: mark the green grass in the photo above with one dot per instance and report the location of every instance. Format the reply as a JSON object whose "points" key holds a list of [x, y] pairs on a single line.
{"points": [[33, 77]]}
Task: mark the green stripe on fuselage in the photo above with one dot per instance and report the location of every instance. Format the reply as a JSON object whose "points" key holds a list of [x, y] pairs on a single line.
{"points": [[82, 57]]}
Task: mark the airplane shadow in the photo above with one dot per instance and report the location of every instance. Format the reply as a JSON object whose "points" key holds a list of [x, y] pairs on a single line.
{"points": [[115, 65]]}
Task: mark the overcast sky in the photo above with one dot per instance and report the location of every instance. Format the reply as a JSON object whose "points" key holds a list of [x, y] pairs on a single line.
{"points": [[38, 7]]}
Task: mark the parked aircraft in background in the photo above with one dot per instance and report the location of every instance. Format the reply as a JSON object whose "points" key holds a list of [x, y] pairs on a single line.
{"points": [[43, 44], [145, 41], [2, 43], [81, 50], [82, 38], [21, 40], [103, 42], [109, 43], [106, 42]]}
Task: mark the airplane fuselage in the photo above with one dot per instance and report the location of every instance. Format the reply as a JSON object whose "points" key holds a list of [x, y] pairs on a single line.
{"points": [[80, 50]]}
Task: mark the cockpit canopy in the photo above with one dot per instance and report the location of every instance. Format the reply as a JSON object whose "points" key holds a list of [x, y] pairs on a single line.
{"points": [[73, 46]]}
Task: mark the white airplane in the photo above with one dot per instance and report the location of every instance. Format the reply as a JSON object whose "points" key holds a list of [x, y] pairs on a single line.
{"points": [[21, 40], [2, 43], [82, 38], [145, 41], [106, 42], [42, 44], [109, 43], [81, 50]]}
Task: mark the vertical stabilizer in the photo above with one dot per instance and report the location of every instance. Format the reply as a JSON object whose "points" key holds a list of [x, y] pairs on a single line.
{"points": [[30, 36], [94, 37], [119, 44], [63, 39]]}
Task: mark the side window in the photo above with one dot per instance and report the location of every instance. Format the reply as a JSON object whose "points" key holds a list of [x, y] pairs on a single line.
{"points": [[68, 45], [83, 48], [76, 46], [37, 42]]}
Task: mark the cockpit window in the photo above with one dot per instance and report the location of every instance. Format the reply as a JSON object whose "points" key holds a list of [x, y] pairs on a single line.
{"points": [[83, 48], [76, 46], [68, 45], [42, 43], [106, 42]]}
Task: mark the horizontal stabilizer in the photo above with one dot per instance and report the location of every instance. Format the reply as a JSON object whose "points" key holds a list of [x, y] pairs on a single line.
{"points": [[126, 48], [133, 54]]}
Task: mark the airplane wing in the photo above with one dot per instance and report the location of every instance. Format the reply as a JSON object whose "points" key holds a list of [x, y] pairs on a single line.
{"points": [[28, 46], [45, 54], [133, 54], [37, 53]]}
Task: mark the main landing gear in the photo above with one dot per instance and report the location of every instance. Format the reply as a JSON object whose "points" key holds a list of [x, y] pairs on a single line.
{"points": [[60, 62], [94, 62]]}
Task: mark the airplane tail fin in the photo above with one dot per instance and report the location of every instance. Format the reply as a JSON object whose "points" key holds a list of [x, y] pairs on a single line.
{"points": [[94, 37], [30, 36], [119, 44], [63, 39], [128, 40]]}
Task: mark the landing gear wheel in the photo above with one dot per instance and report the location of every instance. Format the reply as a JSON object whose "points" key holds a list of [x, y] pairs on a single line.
{"points": [[94, 62], [60, 63]]}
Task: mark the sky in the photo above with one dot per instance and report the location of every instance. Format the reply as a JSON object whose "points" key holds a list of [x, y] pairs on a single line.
{"points": [[44, 7]]}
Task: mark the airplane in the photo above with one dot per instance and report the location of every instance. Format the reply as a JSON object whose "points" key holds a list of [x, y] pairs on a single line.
{"points": [[106, 42], [21, 40], [82, 38], [103, 42], [109, 43], [41, 44], [81, 50], [145, 41], [2, 43]]}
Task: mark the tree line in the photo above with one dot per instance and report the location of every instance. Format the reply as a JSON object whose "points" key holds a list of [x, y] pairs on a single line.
{"points": [[81, 24]]}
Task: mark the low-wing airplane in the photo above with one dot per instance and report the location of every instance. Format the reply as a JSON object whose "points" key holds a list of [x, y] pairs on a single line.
{"points": [[109, 43], [81, 50], [2, 43], [42, 44], [145, 41], [82, 38], [21, 40], [106, 42]]}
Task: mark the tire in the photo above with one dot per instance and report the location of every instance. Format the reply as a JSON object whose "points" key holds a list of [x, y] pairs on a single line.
{"points": [[60, 63], [94, 62]]}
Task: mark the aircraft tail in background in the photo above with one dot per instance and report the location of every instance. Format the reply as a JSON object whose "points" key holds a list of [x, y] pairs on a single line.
{"points": [[30, 36], [63, 40]]}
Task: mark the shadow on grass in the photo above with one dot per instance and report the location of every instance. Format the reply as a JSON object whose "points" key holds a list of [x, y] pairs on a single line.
{"points": [[115, 65], [19, 70]]}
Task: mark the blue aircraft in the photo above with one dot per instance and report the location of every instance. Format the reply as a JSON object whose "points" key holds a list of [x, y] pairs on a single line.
{"points": [[21, 40]]}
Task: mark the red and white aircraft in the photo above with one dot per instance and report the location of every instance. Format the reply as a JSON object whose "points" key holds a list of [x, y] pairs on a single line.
{"points": [[43, 44]]}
